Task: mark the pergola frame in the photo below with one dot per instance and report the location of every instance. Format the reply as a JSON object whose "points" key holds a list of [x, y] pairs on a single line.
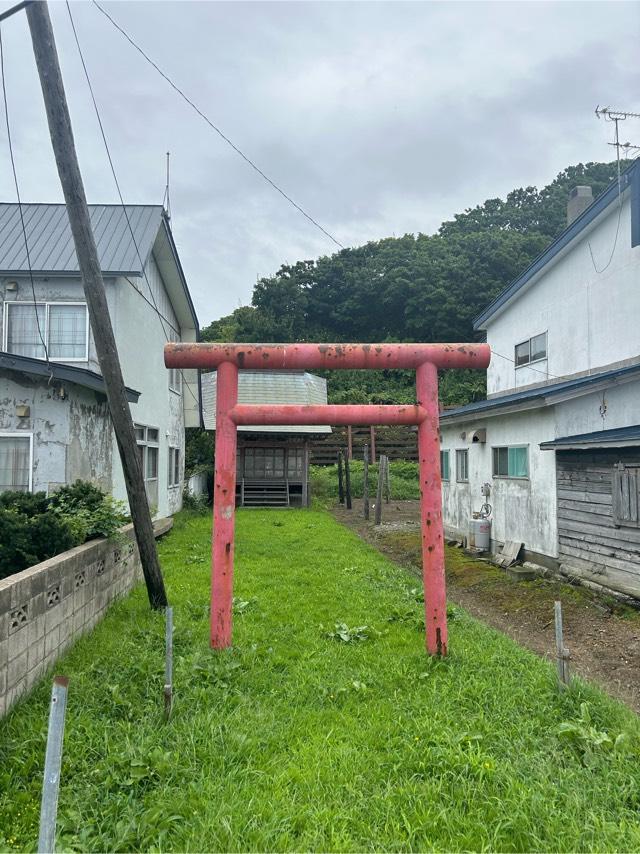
{"points": [[425, 359]]}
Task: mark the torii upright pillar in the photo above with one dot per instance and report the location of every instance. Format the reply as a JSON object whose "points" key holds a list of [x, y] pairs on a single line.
{"points": [[425, 359]]}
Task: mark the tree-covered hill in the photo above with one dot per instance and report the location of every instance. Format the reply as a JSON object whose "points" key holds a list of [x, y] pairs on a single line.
{"points": [[413, 288]]}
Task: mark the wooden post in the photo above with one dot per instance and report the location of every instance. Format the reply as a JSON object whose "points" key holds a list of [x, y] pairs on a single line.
{"points": [[305, 480], [349, 443], [378, 516], [52, 765], [365, 484], [562, 652], [372, 437], [386, 487], [340, 479], [347, 481], [69, 171]]}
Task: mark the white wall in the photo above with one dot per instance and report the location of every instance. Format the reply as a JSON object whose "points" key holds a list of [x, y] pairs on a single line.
{"points": [[591, 318], [141, 339], [524, 509]]}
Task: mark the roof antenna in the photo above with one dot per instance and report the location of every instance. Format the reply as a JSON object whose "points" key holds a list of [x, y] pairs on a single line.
{"points": [[166, 202]]}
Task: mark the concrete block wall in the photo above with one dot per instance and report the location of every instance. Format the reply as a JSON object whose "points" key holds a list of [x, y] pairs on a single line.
{"points": [[45, 608]]}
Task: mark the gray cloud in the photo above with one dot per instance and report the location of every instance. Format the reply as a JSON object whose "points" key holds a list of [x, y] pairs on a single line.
{"points": [[379, 118]]}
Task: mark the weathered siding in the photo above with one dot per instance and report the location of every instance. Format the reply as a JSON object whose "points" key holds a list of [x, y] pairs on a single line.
{"points": [[590, 545]]}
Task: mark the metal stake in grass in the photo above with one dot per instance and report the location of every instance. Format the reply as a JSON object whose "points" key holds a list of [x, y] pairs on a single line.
{"points": [[365, 483], [563, 653], [168, 664], [52, 764], [340, 480]]}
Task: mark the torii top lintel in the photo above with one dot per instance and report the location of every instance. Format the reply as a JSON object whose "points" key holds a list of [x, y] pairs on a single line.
{"points": [[327, 356]]}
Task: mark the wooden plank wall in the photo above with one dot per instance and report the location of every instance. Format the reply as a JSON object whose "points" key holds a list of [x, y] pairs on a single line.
{"points": [[397, 443], [589, 543]]}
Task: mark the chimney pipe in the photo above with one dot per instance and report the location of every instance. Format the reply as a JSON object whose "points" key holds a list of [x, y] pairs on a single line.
{"points": [[579, 200]]}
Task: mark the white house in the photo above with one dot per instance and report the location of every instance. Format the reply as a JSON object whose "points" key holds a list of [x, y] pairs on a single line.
{"points": [[558, 437], [54, 422]]}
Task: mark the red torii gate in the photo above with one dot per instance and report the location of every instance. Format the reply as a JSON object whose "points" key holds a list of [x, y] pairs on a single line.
{"points": [[425, 359]]}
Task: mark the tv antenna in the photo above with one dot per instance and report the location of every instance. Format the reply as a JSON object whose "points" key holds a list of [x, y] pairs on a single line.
{"points": [[617, 116], [166, 202]]}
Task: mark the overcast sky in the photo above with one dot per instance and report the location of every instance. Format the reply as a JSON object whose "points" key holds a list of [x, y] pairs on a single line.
{"points": [[377, 118]]}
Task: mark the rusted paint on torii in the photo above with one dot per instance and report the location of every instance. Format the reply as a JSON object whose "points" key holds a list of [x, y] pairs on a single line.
{"points": [[425, 359]]}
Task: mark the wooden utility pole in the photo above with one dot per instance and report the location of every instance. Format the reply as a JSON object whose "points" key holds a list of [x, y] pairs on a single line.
{"points": [[69, 171]]}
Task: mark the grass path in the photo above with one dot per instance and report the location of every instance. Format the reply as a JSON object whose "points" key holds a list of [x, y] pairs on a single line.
{"points": [[294, 740]]}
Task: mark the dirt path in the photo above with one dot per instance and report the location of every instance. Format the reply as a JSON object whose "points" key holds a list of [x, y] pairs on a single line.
{"points": [[603, 636]]}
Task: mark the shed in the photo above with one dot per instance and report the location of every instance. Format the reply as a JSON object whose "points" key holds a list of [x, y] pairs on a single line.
{"points": [[272, 462]]}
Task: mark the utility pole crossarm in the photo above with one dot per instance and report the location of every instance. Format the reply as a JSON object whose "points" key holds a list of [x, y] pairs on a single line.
{"points": [[64, 149]]}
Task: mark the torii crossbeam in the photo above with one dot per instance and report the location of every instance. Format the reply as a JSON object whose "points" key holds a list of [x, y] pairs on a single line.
{"points": [[425, 359]]}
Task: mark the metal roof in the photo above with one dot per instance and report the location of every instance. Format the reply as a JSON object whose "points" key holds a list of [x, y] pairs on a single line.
{"points": [[532, 398], [619, 438], [50, 241], [630, 178], [59, 371], [268, 387]]}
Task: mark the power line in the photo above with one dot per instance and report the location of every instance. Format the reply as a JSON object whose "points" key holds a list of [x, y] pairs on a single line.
{"points": [[217, 129], [124, 207], [15, 181]]}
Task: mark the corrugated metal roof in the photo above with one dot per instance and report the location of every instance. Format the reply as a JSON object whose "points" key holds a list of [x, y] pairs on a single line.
{"points": [[50, 240], [540, 394], [268, 387], [617, 438]]}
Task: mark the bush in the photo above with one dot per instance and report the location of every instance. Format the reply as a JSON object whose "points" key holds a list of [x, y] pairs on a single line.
{"points": [[25, 541], [28, 503], [101, 514], [34, 527]]}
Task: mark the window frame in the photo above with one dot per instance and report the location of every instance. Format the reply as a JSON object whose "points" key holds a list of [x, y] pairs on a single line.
{"points": [[47, 304], [22, 435], [173, 458], [173, 373], [528, 341], [462, 453], [145, 443], [445, 454], [508, 476]]}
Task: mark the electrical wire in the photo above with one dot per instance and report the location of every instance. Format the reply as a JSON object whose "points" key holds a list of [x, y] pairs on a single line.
{"points": [[217, 129], [124, 207], [17, 187]]}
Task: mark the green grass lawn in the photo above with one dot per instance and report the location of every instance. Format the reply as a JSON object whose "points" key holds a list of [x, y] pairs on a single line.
{"points": [[296, 740]]}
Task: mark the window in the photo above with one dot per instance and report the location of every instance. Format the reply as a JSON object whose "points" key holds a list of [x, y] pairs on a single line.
{"points": [[295, 463], [15, 462], [147, 439], [444, 465], [264, 462], [511, 461], [626, 496], [533, 350], [64, 327], [462, 466], [174, 467], [175, 380]]}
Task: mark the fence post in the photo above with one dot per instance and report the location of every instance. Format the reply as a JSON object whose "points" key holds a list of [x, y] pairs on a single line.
{"points": [[387, 481], [563, 653], [365, 484], [349, 443], [52, 764], [378, 517], [340, 480], [347, 481], [372, 436], [168, 664]]}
